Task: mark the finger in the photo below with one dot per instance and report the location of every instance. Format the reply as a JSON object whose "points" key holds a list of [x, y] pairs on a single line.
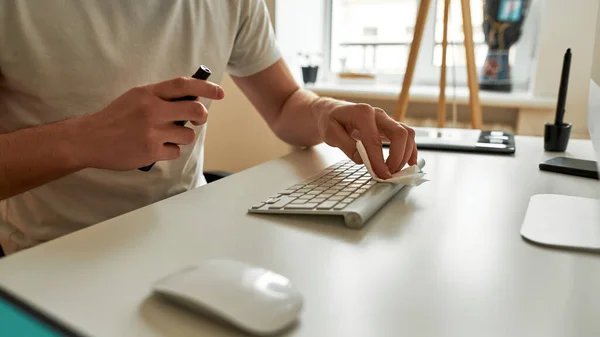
{"points": [[179, 135], [414, 157], [397, 135], [338, 137], [170, 152], [362, 118], [186, 86], [410, 146], [192, 111]]}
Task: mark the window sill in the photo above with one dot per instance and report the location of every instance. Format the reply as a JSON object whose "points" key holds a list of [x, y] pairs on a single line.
{"points": [[430, 94]]}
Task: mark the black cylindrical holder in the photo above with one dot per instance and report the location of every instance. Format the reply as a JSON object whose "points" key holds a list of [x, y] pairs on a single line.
{"points": [[309, 74], [556, 137]]}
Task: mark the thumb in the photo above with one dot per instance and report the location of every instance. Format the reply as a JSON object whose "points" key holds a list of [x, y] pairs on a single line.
{"points": [[338, 137]]}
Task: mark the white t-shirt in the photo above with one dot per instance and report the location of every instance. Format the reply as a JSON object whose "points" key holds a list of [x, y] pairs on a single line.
{"points": [[63, 59]]}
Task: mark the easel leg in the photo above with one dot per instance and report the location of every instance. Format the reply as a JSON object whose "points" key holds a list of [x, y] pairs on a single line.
{"points": [[474, 103], [441, 112], [402, 104]]}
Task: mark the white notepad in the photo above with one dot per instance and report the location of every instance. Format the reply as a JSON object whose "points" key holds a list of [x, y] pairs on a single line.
{"points": [[563, 221]]}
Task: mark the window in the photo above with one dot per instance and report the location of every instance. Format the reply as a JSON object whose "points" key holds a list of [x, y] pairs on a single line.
{"points": [[374, 36], [371, 36]]}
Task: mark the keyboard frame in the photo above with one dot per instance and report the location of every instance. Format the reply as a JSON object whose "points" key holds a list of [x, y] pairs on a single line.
{"points": [[357, 213]]}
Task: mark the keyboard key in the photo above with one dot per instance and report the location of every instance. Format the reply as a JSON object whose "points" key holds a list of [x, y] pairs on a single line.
{"points": [[318, 200], [354, 195], [295, 195], [336, 198], [259, 205], [272, 200], [343, 194], [328, 184], [313, 193], [348, 200], [348, 180], [341, 205], [371, 183], [326, 195], [335, 188], [305, 197], [355, 185], [303, 190], [282, 202], [304, 206], [327, 204], [298, 202], [320, 188], [349, 189], [298, 186]]}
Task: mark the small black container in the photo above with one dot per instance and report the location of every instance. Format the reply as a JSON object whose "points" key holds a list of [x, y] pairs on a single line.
{"points": [[556, 137], [309, 74]]}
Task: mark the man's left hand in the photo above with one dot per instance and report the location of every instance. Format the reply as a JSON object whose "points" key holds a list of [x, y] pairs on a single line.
{"points": [[343, 125]]}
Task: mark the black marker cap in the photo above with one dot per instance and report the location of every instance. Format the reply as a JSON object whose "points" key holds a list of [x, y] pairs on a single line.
{"points": [[203, 73]]}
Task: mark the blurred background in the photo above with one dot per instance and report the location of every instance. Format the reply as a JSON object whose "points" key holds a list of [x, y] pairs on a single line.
{"points": [[370, 39]]}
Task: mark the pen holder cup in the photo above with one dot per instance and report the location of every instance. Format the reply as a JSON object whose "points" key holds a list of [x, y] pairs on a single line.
{"points": [[556, 137]]}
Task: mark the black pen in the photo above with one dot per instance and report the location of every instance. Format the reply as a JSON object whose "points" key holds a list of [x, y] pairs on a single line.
{"points": [[203, 73], [564, 86]]}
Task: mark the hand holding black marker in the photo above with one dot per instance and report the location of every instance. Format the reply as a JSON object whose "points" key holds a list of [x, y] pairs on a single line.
{"points": [[203, 73]]}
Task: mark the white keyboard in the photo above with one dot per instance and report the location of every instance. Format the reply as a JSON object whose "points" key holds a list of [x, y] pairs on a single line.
{"points": [[344, 189]]}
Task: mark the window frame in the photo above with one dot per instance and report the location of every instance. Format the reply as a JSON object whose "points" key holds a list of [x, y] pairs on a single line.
{"points": [[426, 73]]}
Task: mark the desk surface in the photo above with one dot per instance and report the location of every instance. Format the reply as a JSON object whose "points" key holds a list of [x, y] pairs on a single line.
{"points": [[441, 259]]}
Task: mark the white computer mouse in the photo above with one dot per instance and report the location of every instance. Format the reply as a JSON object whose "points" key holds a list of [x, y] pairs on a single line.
{"points": [[254, 299]]}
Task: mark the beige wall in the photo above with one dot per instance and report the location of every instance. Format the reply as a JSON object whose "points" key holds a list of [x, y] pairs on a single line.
{"points": [[237, 137], [567, 24]]}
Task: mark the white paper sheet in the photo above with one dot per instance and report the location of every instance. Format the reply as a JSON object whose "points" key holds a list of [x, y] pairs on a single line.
{"points": [[411, 175]]}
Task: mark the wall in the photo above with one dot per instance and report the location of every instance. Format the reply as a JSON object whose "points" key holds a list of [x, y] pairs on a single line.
{"points": [[567, 24], [596, 57], [309, 38], [237, 137]]}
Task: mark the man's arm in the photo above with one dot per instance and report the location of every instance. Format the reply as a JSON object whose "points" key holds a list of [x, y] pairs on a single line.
{"points": [[35, 156], [288, 110], [302, 118]]}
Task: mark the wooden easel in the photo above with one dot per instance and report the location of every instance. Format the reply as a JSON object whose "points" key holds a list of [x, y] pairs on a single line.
{"points": [[474, 104]]}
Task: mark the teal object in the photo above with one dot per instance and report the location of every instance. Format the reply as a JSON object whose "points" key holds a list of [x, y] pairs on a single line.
{"points": [[510, 11], [14, 322]]}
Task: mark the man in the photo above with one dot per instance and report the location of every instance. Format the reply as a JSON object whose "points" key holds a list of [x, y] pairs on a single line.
{"points": [[85, 93]]}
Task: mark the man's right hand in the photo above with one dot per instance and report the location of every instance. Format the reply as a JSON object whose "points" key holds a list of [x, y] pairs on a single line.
{"points": [[137, 128]]}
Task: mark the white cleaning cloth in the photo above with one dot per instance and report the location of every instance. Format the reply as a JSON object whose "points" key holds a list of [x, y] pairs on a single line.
{"points": [[411, 175]]}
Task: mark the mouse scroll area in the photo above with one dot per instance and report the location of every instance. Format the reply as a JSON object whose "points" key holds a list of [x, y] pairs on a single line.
{"points": [[251, 298]]}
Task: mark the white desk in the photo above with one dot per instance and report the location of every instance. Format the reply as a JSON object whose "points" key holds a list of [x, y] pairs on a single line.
{"points": [[441, 259]]}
